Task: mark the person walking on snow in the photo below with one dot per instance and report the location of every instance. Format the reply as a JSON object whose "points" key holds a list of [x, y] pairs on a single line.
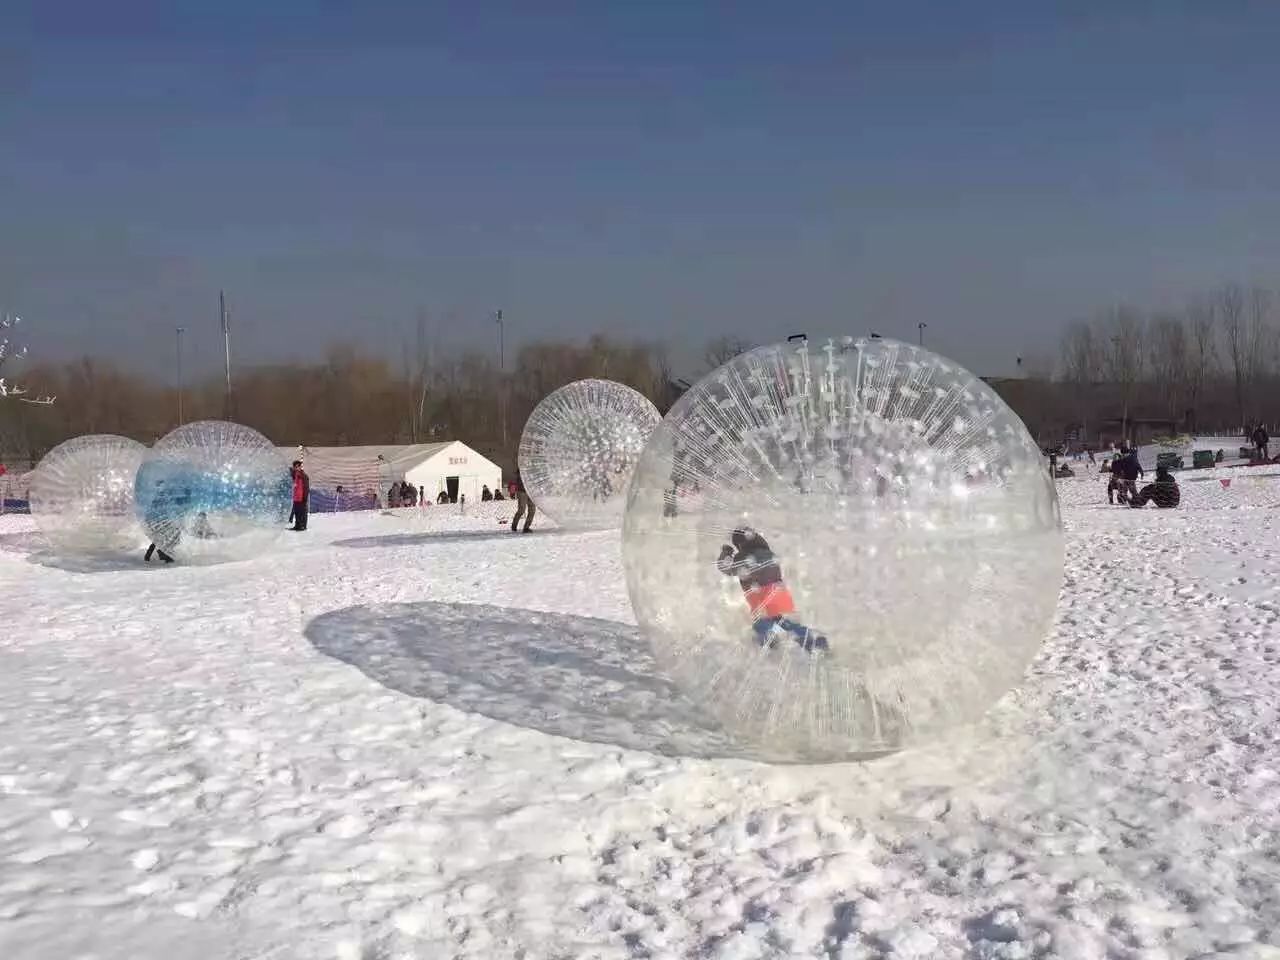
{"points": [[523, 505], [301, 496], [749, 558], [1260, 441]]}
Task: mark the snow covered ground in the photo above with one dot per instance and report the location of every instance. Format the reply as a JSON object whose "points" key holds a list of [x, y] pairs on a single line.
{"points": [[424, 737]]}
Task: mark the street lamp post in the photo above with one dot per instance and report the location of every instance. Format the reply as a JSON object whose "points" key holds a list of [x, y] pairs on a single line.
{"points": [[920, 327], [502, 381], [179, 331]]}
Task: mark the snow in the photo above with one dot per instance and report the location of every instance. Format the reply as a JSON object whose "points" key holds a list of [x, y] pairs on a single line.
{"points": [[419, 735]]}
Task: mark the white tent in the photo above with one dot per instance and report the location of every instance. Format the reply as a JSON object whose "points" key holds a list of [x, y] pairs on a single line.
{"points": [[451, 467]]}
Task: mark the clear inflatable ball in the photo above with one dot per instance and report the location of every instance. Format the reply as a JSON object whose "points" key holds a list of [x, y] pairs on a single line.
{"points": [[843, 548], [82, 495], [579, 449], [213, 491]]}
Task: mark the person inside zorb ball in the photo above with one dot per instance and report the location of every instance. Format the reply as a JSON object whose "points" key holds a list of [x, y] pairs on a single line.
{"points": [[578, 450], [212, 491], [843, 548]]}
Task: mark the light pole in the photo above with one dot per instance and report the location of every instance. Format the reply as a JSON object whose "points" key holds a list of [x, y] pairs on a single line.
{"points": [[502, 382], [226, 346], [179, 331], [920, 327]]}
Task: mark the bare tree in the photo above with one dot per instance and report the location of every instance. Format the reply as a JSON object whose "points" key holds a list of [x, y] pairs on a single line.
{"points": [[723, 349], [1202, 356], [9, 352], [1169, 359], [1126, 329], [1235, 337], [1083, 366], [1258, 340]]}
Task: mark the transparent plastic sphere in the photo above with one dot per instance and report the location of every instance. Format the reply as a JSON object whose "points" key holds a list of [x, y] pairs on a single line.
{"points": [[213, 490], [579, 449], [897, 558], [82, 494]]}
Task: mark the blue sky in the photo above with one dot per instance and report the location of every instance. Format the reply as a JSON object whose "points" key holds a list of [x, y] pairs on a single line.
{"points": [[661, 170]]}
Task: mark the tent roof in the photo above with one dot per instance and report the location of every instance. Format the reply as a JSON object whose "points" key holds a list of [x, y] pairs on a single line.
{"points": [[348, 461], [399, 456]]}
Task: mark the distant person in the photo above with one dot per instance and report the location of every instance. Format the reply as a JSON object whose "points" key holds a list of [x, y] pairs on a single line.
{"points": [[1092, 458], [443, 498], [301, 495], [486, 495], [1125, 471], [1164, 493], [422, 495], [1260, 442], [160, 513], [1115, 486], [497, 494], [524, 506], [748, 557]]}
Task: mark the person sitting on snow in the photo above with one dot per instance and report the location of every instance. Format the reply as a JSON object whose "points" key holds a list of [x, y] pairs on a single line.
{"points": [[749, 558], [1164, 493]]}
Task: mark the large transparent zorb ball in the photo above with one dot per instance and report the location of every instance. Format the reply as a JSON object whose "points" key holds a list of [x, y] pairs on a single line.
{"points": [[82, 494], [843, 548], [579, 449], [213, 490]]}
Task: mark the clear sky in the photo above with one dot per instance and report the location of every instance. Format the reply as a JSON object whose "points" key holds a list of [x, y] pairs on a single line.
{"points": [[657, 169]]}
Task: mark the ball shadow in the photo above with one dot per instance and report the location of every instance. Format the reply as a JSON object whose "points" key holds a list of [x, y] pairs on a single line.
{"points": [[444, 536], [575, 677]]}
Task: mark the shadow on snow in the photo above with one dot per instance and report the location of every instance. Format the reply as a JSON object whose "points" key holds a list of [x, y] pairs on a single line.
{"points": [[445, 536], [576, 677]]}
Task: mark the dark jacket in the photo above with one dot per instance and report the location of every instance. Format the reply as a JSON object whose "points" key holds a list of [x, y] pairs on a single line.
{"points": [[1164, 492], [1130, 468], [750, 560], [1260, 436]]}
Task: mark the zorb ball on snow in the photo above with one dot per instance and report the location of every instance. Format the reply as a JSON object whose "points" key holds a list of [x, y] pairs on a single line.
{"points": [[842, 548], [82, 494], [579, 449], [213, 491]]}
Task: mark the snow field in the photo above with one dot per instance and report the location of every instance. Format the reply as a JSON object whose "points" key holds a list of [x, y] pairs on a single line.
{"points": [[404, 736]]}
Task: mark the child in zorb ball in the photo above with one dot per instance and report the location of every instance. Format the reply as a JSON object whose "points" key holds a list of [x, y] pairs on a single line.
{"points": [[749, 558]]}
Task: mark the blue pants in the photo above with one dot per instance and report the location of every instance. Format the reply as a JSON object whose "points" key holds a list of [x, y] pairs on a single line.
{"points": [[766, 630]]}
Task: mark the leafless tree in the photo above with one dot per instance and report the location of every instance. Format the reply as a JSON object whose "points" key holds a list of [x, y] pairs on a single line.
{"points": [[1202, 358], [1125, 328], [8, 352], [723, 349], [1235, 338], [1170, 359], [1259, 343]]}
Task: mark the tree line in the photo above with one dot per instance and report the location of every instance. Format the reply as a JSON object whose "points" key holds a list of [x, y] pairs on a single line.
{"points": [[1212, 365], [348, 398]]}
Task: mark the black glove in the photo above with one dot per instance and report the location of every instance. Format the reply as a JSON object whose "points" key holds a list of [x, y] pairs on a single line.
{"points": [[726, 552]]}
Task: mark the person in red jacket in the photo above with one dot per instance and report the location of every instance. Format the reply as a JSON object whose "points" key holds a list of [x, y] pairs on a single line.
{"points": [[301, 496], [773, 611]]}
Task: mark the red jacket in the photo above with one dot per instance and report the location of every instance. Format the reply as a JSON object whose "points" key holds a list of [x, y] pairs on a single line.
{"points": [[301, 486]]}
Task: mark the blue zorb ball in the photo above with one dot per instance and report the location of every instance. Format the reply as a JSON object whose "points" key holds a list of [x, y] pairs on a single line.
{"points": [[212, 491]]}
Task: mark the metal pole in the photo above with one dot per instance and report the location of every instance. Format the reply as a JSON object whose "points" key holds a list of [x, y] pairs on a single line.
{"points": [[179, 331], [502, 382], [226, 346], [920, 327]]}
